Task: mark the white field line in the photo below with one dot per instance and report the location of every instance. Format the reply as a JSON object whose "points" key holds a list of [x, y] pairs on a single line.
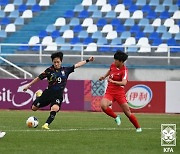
{"points": [[78, 129]]}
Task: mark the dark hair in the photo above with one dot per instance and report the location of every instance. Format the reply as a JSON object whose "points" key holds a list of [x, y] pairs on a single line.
{"points": [[121, 56], [57, 55]]}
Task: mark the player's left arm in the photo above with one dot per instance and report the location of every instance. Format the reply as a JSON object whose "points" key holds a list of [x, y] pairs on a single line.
{"points": [[120, 83], [81, 63]]}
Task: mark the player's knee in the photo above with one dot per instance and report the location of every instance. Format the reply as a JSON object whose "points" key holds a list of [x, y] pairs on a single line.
{"points": [[55, 108], [34, 108]]}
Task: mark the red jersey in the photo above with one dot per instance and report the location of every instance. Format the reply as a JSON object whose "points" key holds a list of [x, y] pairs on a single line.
{"points": [[117, 74]]}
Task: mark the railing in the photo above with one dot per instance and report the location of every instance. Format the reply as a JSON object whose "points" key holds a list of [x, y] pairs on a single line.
{"points": [[20, 69], [82, 54]]}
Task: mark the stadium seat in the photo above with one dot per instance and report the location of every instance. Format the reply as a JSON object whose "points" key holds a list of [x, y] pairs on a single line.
{"points": [[151, 15], [115, 22], [44, 3], [178, 3], [110, 14], [113, 2], [169, 22], [60, 40], [125, 35], [65, 48], [148, 29], [91, 47], [83, 34], [101, 3], [14, 14], [77, 48], [159, 9], [31, 2], [87, 40], [156, 41], [3, 34], [92, 29], [92, 8], [50, 28], [130, 41], [22, 8], [138, 14], [141, 2], [69, 14], [143, 41], [162, 48], [143, 22], [153, 36], [75, 40], [101, 22], [36, 8], [129, 22], [176, 15], [74, 22], [133, 8], [51, 47], [119, 8], [18, 2], [161, 29], [104, 49], [177, 37], [173, 8], [164, 15], [42, 34], [171, 42], [79, 8], [4, 2], [9, 8], [97, 35], [106, 8], [10, 28], [55, 34], [120, 28], [64, 28], [139, 35], [47, 40], [60, 21], [156, 22], [127, 2], [68, 34], [97, 14], [145, 48], [154, 2], [135, 29], [116, 41], [77, 28], [87, 22], [5, 21], [27, 14], [86, 3], [124, 14], [83, 14], [34, 40], [107, 28], [146, 8], [167, 3], [102, 41], [111, 35], [166, 36], [19, 21], [174, 29], [2, 14]]}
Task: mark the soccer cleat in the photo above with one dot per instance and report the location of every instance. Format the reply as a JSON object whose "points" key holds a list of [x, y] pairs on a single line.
{"points": [[45, 126], [2, 134], [118, 120], [139, 130]]}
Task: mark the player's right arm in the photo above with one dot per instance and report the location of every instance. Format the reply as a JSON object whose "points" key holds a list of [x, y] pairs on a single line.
{"points": [[31, 83], [105, 76]]}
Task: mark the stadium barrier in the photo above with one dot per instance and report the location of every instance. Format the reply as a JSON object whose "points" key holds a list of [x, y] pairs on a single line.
{"points": [[85, 95]]}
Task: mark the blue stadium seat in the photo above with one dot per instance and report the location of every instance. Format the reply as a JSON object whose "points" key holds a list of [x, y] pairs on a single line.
{"points": [[55, 34], [143, 22], [36, 8], [50, 28], [129, 22], [87, 40], [167, 3], [125, 35], [151, 15], [31, 2], [153, 36], [164, 15], [75, 40], [78, 8], [101, 22], [104, 49], [102, 41], [74, 22], [69, 14], [97, 14], [116, 41], [22, 8], [178, 3], [127, 2], [159, 8], [24, 47], [120, 28], [2, 14], [135, 29], [19, 21], [156, 41], [166, 36], [172, 42], [64, 28], [77, 28], [139, 35], [148, 29], [177, 37], [14, 14], [173, 8], [83, 14], [3, 34], [77, 48], [146, 8], [115, 22], [60, 40], [161, 29], [93, 8], [5, 21], [110, 14], [113, 2], [154, 2], [4, 2], [42, 34], [133, 8]]}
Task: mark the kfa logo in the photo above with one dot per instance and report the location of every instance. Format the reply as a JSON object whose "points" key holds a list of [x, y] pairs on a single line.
{"points": [[168, 136]]}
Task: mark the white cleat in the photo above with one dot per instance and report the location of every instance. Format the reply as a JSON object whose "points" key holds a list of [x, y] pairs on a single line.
{"points": [[2, 134], [139, 130], [118, 120]]}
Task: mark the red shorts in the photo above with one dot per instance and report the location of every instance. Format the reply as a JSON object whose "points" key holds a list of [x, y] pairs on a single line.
{"points": [[119, 98]]}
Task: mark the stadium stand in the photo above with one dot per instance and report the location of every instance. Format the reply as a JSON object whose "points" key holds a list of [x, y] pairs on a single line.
{"points": [[106, 22]]}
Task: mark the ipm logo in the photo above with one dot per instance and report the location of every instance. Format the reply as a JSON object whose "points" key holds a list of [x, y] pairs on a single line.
{"points": [[168, 134]]}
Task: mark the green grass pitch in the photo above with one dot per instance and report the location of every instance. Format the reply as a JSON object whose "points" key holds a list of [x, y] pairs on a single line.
{"points": [[84, 133]]}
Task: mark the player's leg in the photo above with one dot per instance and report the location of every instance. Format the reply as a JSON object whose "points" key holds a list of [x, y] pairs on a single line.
{"points": [[105, 106], [2, 134], [131, 116], [55, 107]]}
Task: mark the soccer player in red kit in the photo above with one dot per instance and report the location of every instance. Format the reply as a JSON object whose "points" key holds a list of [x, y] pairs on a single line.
{"points": [[118, 78]]}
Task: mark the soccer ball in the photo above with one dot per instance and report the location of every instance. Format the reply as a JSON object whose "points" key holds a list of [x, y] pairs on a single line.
{"points": [[32, 122]]}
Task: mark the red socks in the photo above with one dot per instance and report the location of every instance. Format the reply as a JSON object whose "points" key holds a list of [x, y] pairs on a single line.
{"points": [[134, 121], [110, 112]]}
